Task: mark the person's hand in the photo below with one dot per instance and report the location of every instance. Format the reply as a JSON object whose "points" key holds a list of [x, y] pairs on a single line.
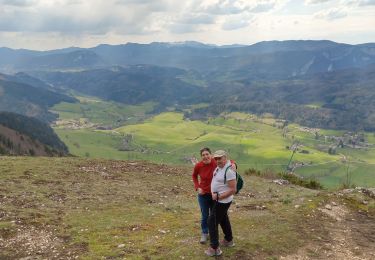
{"points": [[214, 196], [193, 160], [200, 191]]}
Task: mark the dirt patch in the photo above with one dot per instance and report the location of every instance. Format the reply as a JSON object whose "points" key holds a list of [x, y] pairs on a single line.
{"points": [[110, 169], [351, 235], [337, 212], [31, 242]]}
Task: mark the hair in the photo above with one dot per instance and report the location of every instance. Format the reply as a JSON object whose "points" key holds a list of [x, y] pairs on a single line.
{"points": [[205, 149]]}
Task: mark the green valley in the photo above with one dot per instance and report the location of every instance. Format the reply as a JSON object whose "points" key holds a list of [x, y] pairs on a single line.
{"points": [[254, 142]]}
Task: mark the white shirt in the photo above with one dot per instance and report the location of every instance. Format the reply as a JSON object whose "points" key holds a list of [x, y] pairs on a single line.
{"points": [[217, 184]]}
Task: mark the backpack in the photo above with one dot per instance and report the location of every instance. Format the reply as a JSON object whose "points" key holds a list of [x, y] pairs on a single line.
{"points": [[239, 180]]}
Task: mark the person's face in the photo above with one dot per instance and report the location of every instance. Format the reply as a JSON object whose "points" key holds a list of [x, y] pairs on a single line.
{"points": [[221, 161], [206, 157]]}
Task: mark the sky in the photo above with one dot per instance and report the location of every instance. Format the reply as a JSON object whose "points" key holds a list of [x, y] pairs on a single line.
{"points": [[53, 24]]}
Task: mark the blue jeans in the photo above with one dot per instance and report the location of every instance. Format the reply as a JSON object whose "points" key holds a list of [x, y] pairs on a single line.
{"points": [[205, 203]]}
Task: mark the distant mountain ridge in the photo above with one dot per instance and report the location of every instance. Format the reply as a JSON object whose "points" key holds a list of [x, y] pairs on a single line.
{"points": [[26, 95], [313, 56], [129, 85]]}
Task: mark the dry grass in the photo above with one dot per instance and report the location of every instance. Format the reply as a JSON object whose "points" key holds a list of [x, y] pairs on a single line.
{"points": [[99, 209]]}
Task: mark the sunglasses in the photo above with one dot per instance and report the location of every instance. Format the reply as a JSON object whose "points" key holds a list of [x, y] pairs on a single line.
{"points": [[218, 158]]}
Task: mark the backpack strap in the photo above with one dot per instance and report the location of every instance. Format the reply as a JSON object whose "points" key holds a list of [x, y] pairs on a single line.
{"points": [[225, 174]]}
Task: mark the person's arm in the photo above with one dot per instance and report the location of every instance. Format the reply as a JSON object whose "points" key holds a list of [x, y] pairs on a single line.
{"points": [[195, 177], [232, 190], [233, 165]]}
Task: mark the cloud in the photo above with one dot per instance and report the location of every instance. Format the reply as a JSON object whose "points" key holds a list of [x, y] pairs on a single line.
{"points": [[230, 7], [235, 22], [357, 3], [332, 14], [263, 6], [366, 2], [17, 2], [197, 19], [235, 25], [311, 2], [225, 7], [40, 23], [75, 16], [183, 28], [126, 16]]}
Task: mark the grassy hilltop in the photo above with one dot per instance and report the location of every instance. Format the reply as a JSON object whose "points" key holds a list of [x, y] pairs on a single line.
{"points": [[69, 208]]}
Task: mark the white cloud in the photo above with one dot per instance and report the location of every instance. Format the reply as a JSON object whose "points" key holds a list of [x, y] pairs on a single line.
{"points": [[310, 2], [366, 2], [17, 2], [42, 23], [264, 6], [332, 14], [235, 24], [192, 18]]}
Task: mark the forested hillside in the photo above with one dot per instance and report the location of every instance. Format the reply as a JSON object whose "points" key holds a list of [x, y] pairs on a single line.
{"points": [[21, 135]]}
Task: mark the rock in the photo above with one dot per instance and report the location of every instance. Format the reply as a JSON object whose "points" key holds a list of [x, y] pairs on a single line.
{"points": [[297, 206], [121, 246], [281, 182], [251, 195], [365, 202], [334, 204], [162, 231], [329, 207], [369, 192]]}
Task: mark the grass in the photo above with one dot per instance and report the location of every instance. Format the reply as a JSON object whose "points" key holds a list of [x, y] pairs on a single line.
{"points": [[252, 141], [97, 209], [102, 112]]}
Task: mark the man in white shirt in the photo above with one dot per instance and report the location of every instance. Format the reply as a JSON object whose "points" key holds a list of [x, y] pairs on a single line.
{"points": [[223, 186]]}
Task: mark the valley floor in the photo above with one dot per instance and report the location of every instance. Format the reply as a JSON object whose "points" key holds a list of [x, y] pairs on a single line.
{"points": [[75, 208]]}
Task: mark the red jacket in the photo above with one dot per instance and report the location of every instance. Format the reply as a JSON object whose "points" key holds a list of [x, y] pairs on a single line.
{"points": [[205, 173]]}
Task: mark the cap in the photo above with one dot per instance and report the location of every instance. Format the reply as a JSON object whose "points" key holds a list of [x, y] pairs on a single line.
{"points": [[219, 153]]}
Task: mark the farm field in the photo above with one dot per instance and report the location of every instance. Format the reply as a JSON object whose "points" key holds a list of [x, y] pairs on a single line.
{"points": [[253, 142]]}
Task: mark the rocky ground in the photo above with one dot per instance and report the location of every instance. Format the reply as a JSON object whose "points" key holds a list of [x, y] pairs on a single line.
{"points": [[73, 208]]}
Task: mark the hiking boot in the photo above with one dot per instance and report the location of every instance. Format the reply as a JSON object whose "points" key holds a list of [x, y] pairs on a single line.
{"points": [[227, 243], [203, 238], [213, 252]]}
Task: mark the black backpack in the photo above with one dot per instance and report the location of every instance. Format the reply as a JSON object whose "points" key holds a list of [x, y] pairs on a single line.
{"points": [[239, 179]]}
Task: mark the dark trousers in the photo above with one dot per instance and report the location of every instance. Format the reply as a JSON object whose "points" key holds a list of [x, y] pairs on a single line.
{"points": [[205, 203], [219, 215]]}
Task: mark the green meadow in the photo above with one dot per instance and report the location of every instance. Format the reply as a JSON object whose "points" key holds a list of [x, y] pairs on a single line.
{"points": [[102, 112], [252, 141]]}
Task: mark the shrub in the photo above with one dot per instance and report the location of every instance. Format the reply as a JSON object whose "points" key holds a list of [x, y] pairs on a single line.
{"points": [[292, 178], [297, 180]]}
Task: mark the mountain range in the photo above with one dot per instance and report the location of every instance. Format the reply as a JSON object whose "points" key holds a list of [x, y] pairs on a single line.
{"points": [[263, 58], [315, 83]]}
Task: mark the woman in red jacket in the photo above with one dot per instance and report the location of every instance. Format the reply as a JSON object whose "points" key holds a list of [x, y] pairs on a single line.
{"points": [[204, 169]]}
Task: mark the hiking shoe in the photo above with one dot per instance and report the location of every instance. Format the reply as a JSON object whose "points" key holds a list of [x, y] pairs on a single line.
{"points": [[203, 238], [213, 252], [227, 243]]}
